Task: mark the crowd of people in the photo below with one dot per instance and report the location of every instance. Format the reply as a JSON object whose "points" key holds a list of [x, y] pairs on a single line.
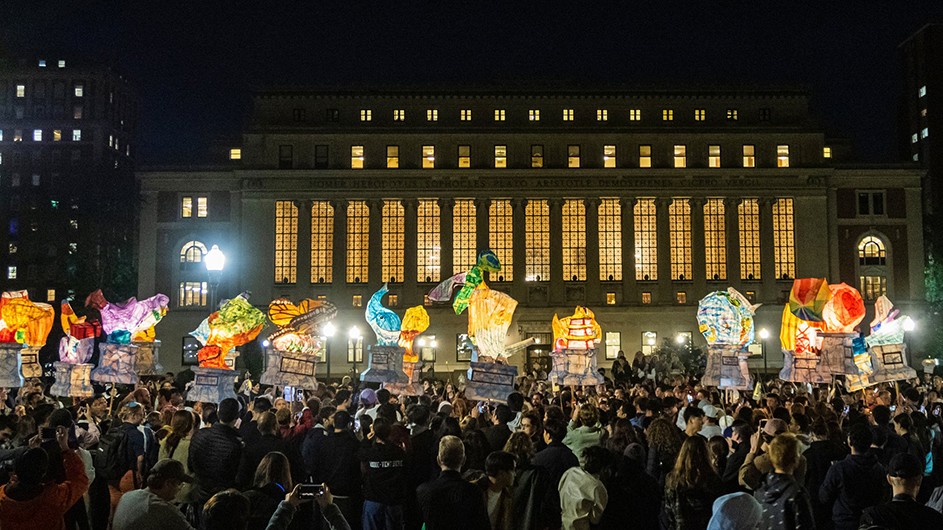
{"points": [[650, 449]]}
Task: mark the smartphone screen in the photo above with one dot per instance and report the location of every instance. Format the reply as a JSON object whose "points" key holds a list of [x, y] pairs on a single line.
{"points": [[310, 491]]}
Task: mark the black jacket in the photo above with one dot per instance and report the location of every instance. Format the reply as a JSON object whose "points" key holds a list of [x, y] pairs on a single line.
{"points": [[533, 497], [634, 499], [556, 458], [731, 475], [497, 436], [786, 504], [450, 502], [384, 473], [850, 486], [691, 509], [214, 458], [252, 454], [337, 465], [902, 513]]}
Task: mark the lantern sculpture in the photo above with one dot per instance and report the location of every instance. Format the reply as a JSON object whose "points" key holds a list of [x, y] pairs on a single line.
{"points": [[574, 349], [76, 348], [802, 324], [842, 312], [725, 318], [886, 343], [415, 321], [24, 327], [386, 356], [297, 345], [121, 322]]}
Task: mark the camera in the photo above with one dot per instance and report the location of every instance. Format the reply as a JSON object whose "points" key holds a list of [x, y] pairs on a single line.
{"points": [[310, 491]]}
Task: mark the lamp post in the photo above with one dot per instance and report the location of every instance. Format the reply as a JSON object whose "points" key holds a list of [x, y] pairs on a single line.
{"points": [[329, 331], [214, 261], [764, 334], [354, 334]]}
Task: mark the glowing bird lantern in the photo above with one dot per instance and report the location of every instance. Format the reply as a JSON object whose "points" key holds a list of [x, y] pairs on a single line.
{"points": [[385, 363], [296, 346], [487, 261], [236, 323]]}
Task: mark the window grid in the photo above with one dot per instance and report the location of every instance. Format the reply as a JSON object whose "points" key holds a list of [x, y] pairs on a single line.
{"points": [[573, 156], [635, 114], [501, 236], [499, 114], [533, 114], [432, 114], [646, 240], [537, 240], [466, 114], [715, 239], [679, 218], [871, 251], [358, 242], [399, 115], [202, 208], [610, 240], [784, 239], [667, 115], [192, 252], [286, 241], [464, 235], [366, 115], [392, 156], [537, 156], [602, 115], [872, 287], [644, 156], [567, 114], [748, 219], [356, 157], [574, 240], [322, 242], [192, 294], [186, 207], [428, 244], [394, 241], [700, 114], [464, 156]]}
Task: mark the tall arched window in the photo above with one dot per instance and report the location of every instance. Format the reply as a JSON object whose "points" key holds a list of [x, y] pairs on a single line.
{"points": [[872, 267], [192, 252], [193, 289]]}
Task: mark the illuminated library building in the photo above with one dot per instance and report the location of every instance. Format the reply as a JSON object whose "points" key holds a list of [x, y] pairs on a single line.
{"points": [[632, 203]]}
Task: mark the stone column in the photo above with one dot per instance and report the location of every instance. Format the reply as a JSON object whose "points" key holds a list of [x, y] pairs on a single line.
{"points": [[519, 287], [767, 254], [698, 250], [732, 233], [303, 262], [629, 286], [556, 280], [339, 257], [593, 291], [663, 231], [446, 247], [410, 251], [375, 276]]}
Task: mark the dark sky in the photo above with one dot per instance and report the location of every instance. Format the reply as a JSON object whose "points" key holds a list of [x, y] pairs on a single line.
{"points": [[195, 62]]}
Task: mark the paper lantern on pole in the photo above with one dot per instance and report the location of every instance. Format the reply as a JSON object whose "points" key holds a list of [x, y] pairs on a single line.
{"points": [[574, 349], [73, 371], [801, 346], [234, 324], [385, 364], [725, 318], [469, 281], [886, 344], [297, 345], [843, 311], [121, 321], [808, 297], [24, 328]]}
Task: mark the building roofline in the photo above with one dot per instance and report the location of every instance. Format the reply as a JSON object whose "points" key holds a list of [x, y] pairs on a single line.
{"points": [[918, 32]]}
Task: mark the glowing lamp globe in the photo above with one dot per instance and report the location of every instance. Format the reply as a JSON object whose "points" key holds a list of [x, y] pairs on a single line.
{"points": [[764, 333], [329, 330], [215, 260]]}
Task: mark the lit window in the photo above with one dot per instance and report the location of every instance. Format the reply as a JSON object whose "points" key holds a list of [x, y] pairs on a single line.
{"points": [[322, 242], [748, 218], [1, 135], [37, 135], [366, 115], [913, 138], [646, 297], [574, 240], [50, 295], [77, 112], [749, 156], [11, 272], [500, 156], [922, 92], [392, 300], [826, 152], [635, 114], [17, 135], [355, 345], [393, 244], [679, 219], [392, 156], [499, 114], [681, 156], [713, 156], [681, 297], [644, 156], [924, 132], [536, 156], [667, 115], [732, 114], [537, 240], [602, 115], [646, 240], [192, 294], [428, 244], [567, 114], [609, 156], [61, 63], [192, 252], [399, 115], [572, 156], [533, 114], [73, 224], [610, 240], [872, 267], [21, 91], [428, 156], [784, 239], [235, 154], [872, 287], [782, 156], [610, 298], [56, 135], [356, 157], [464, 235], [872, 251], [501, 237], [466, 114], [715, 239], [76, 135], [202, 208], [79, 90], [699, 114], [42, 63], [186, 207], [464, 156], [358, 242], [357, 301], [286, 241], [649, 342], [432, 114]]}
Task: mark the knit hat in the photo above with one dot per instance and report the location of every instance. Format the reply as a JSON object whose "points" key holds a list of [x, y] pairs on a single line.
{"points": [[368, 396], [445, 407], [736, 511]]}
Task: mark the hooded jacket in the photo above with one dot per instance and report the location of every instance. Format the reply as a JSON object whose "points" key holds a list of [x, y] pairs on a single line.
{"points": [[853, 484], [786, 504], [46, 510]]}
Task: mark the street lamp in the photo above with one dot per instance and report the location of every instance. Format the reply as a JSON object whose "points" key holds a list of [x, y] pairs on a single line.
{"points": [[764, 334], [328, 332], [214, 261], [354, 334]]}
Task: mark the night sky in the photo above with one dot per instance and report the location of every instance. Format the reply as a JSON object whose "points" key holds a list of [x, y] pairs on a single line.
{"points": [[196, 62]]}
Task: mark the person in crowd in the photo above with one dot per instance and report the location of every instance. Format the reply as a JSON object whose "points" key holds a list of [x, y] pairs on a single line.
{"points": [[910, 440], [141, 451], [498, 432], [904, 474], [691, 487], [855, 483], [735, 511], [27, 502], [786, 503], [271, 481], [336, 464], [264, 442], [739, 441], [664, 444], [495, 489], [584, 429], [384, 480], [176, 446], [583, 496], [532, 425], [249, 427], [450, 502], [822, 451], [756, 466], [711, 427], [719, 451], [150, 508], [215, 454], [530, 493]]}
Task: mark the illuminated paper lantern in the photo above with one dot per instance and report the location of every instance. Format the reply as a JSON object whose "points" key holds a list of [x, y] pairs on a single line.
{"points": [[727, 367], [487, 261], [123, 320], [385, 323], [27, 322], [413, 387], [726, 317], [808, 297], [72, 380], [844, 309], [285, 368], [7, 333], [574, 349], [115, 364], [414, 323], [11, 373], [299, 326], [234, 324], [886, 344], [489, 317], [212, 385], [147, 359]]}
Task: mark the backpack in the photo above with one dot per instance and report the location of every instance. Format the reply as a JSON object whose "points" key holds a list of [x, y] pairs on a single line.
{"points": [[111, 458]]}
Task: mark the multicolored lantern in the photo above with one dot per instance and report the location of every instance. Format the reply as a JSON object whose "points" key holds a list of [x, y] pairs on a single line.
{"points": [[297, 344], [385, 364], [487, 261], [73, 371], [24, 328], [234, 324], [843, 311], [886, 343], [808, 297], [725, 318], [415, 321], [574, 349], [800, 332]]}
